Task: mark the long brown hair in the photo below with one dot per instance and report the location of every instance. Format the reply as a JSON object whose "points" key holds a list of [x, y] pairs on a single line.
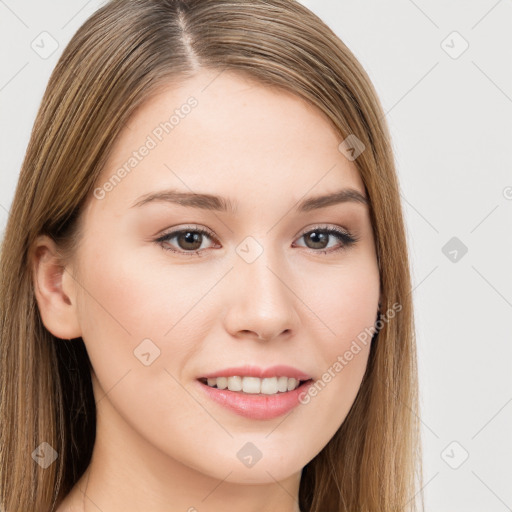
{"points": [[121, 56]]}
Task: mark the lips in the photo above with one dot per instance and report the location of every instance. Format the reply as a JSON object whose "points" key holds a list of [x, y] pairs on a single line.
{"points": [[256, 407], [255, 371]]}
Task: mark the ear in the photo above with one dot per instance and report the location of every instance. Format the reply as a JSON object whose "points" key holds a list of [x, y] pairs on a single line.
{"points": [[55, 290]]}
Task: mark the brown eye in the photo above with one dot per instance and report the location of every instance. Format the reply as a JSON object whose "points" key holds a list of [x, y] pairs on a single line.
{"points": [[318, 239], [188, 241]]}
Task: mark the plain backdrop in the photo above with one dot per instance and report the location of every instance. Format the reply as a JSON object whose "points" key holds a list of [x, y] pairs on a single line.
{"points": [[443, 71]]}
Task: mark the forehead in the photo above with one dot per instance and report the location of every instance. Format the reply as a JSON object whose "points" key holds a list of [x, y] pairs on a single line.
{"points": [[224, 134]]}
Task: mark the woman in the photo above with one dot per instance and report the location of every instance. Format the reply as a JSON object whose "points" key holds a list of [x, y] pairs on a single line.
{"points": [[204, 277]]}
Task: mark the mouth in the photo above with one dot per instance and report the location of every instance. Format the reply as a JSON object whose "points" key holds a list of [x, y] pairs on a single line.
{"points": [[255, 398], [255, 386]]}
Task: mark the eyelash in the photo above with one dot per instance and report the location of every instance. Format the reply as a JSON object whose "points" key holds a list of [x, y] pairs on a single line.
{"points": [[345, 237]]}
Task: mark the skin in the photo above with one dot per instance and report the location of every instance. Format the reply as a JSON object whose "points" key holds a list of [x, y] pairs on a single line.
{"points": [[161, 443]]}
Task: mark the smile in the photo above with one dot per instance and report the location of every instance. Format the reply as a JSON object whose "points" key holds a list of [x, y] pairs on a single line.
{"points": [[256, 405], [254, 385]]}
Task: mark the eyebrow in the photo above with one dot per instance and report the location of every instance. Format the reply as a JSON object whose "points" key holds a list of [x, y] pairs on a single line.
{"points": [[222, 204]]}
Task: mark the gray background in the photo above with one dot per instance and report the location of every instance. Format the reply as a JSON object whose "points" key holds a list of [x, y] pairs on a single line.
{"points": [[450, 115]]}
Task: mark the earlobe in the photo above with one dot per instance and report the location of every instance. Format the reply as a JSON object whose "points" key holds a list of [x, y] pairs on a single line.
{"points": [[54, 289]]}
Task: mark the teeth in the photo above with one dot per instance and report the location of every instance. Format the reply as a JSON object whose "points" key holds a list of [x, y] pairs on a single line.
{"points": [[254, 385], [249, 384], [235, 383], [222, 382], [282, 384]]}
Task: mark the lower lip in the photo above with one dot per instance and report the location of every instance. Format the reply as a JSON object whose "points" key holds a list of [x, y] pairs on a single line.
{"points": [[257, 407]]}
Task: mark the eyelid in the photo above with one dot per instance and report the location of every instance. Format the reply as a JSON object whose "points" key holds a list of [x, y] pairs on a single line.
{"points": [[324, 227]]}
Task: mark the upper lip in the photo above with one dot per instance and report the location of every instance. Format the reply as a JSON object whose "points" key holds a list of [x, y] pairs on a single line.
{"points": [[280, 370]]}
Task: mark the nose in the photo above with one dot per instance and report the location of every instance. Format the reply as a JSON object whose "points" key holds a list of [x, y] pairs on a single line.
{"points": [[262, 304]]}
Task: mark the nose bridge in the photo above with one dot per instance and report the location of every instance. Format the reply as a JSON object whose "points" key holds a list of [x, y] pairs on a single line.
{"points": [[262, 301]]}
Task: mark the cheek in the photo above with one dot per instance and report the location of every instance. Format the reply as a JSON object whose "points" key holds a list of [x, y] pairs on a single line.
{"points": [[345, 303], [135, 295], [140, 328], [343, 300], [130, 297]]}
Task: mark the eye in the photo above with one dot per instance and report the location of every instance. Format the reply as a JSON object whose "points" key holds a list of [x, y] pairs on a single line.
{"points": [[190, 240], [318, 238]]}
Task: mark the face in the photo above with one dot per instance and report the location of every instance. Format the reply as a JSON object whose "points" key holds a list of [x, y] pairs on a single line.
{"points": [[176, 289]]}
